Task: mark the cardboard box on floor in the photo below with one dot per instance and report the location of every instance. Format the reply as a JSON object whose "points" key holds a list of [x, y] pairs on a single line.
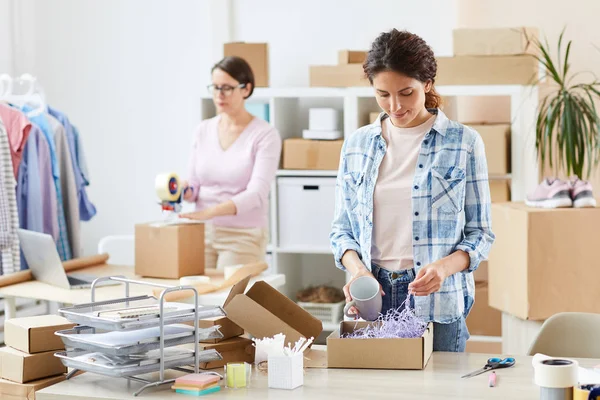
{"points": [[22, 367], [348, 75], [494, 41], [26, 391], [311, 154], [377, 353], [35, 334], [499, 190], [496, 140], [491, 70], [169, 251], [541, 258], [237, 349], [352, 57], [264, 312], [227, 327], [484, 320], [477, 110], [256, 55]]}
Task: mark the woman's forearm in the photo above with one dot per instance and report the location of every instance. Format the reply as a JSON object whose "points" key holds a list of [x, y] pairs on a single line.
{"points": [[352, 262]]}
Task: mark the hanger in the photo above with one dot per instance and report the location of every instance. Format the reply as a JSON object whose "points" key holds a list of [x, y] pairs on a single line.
{"points": [[33, 96]]}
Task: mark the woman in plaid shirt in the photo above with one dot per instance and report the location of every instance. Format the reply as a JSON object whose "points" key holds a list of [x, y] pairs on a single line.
{"points": [[412, 194]]}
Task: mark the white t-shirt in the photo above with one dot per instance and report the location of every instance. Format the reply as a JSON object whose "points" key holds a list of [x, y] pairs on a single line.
{"points": [[391, 246]]}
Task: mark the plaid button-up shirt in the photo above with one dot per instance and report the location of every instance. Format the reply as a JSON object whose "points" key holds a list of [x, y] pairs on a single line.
{"points": [[450, 206]]}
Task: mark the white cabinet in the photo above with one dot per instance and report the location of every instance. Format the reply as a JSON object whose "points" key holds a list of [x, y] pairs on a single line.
{"points": [[305, 208]]}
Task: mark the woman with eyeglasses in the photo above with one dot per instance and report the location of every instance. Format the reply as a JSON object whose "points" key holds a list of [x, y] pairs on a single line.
{"points": [[233, 162]]}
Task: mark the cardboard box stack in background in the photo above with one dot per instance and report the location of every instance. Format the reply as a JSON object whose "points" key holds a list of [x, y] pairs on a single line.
{"points": [[348, 73], [169, 251], [256, 54], [490, 117], [28, 359], [321, 143], [500, 56]]}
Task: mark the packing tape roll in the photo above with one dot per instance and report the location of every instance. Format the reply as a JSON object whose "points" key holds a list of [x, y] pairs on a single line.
{"points": [[167, 186], [193, 280], [556, 373]]}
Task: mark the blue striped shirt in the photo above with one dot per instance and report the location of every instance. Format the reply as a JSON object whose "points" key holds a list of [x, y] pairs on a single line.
{"points": [[450, 206]]}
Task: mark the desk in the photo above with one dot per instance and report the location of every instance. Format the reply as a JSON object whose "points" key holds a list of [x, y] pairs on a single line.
{"points": [[440, 380], [41, 291]]}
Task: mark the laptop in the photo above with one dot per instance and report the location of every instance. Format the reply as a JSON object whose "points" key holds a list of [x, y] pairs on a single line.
{"points": [[44, 262]]}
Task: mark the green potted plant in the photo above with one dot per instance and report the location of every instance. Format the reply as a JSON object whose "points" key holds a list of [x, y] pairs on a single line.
{"points": [[567, 125]]}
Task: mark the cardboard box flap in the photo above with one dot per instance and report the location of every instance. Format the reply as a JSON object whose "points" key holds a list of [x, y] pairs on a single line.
{"points": [[285, 309], [238, 288], [233, 344], [258, 321]]}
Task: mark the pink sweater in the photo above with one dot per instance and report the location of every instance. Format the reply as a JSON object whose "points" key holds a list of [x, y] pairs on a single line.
{"points": [[243, 173]]}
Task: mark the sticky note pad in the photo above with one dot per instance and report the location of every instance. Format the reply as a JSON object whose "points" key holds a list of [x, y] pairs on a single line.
{"points": [[197, 380], [199, 392]]}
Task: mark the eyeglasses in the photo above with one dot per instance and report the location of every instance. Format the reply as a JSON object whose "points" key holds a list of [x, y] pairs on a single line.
{"points": [[227, 90]]}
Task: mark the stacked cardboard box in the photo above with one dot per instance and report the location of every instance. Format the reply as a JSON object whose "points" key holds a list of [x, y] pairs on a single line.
{"points": [[28, 362], [490, 57], [349, 71]]}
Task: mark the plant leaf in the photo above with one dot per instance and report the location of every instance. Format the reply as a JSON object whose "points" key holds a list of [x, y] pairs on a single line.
{"points": [[566, 61]]}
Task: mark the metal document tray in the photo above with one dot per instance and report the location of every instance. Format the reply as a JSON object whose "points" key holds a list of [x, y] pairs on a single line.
{"points": [[122, 367], [123, 343], [87, 314]]}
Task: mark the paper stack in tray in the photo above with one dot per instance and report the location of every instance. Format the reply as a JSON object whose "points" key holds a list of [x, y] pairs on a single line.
{"points": [[197, 384]]}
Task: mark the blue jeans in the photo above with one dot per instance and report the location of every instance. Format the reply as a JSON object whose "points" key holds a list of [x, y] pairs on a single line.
{"points": [[446, 337]]}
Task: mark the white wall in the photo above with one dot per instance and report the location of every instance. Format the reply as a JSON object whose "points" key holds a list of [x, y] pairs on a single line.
{"points": [[129, 73], [310, 32], [6, 55]]}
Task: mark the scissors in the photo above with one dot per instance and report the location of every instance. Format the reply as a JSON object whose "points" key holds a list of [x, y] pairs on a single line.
{"points": [[492, 363]]}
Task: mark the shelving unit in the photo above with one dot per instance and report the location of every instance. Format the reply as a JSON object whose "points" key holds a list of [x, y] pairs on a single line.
{"points": [[306, 265]]}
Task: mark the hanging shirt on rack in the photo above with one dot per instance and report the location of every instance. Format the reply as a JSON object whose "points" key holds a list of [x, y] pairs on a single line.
{"points": [[17, 126], [86, 209], [67, 185], [36, 195], [80, 155], [9, 218], [62, 245]]}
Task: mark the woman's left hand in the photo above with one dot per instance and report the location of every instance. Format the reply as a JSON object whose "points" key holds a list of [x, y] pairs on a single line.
{"points": [[429, 280], [201, 215]]}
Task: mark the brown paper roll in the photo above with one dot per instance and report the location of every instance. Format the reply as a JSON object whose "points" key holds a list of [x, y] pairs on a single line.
{"points": [[14, 278], [71, 265], [85, 262], [253, 269]]}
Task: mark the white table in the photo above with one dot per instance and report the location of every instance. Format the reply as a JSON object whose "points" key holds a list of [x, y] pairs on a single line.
{"points": [[440, 380], [42, 291]]}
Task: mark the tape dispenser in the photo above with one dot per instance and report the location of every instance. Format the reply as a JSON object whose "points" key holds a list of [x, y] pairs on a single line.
{"points": [[168, 190]]}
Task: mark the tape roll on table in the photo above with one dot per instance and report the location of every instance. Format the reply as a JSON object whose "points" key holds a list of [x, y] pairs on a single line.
{"points": [[167, 186], [556, 378]]}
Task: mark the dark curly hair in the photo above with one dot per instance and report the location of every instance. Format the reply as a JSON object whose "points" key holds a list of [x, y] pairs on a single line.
{"points": [[405, 53]]}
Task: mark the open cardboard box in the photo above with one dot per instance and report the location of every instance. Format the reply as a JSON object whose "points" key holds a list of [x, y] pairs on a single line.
{"points": [[377, 353], [265, 312]]}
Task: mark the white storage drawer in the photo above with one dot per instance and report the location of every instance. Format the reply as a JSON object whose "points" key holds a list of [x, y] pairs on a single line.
{"points": [[305, 209]]}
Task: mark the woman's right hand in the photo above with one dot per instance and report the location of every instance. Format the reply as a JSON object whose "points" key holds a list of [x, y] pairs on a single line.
{"points": [[361, 272], [187, 190]]}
